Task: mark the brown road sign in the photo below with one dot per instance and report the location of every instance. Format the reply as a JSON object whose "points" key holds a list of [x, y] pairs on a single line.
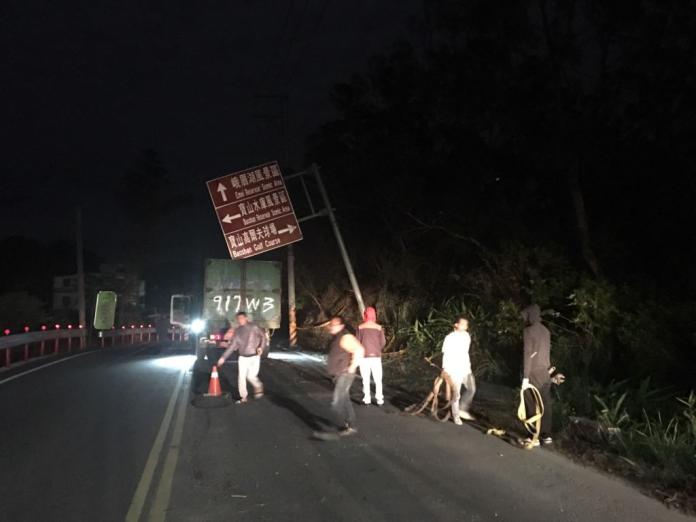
{"points": [[254, 210]]}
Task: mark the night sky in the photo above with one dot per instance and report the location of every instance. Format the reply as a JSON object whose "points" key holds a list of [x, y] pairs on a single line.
{"points": [[475, 117], [87, 85]]}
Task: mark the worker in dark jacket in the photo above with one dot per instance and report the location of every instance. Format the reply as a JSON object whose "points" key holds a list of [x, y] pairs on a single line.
{"points": [[537, 361], [345, 354], [250, 341]]}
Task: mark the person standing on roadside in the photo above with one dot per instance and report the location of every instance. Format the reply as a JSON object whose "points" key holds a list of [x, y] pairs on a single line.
{"points": [[250, 341], [371, 336], [456, 362], [536, 364], [345, 354]]}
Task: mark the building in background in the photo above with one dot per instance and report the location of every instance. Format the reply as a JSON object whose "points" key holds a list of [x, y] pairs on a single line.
{"points": [[128, 286]]}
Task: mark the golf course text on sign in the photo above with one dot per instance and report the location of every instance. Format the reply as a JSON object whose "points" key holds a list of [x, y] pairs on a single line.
{"points": [[254, 210]]}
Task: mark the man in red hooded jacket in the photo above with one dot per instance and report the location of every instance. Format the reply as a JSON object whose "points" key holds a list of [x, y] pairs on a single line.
{"points": [[371, 336]]}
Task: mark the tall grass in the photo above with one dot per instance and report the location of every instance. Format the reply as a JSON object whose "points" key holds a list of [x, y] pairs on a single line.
{"points": [[661, 444]]}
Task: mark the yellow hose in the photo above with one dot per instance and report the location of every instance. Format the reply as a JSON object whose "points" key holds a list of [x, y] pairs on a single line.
{"points": [[533, 423]]}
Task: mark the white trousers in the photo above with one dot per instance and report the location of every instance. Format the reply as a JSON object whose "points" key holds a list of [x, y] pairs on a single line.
{"points": [[249, 371], [372, 365], [462, 401]]}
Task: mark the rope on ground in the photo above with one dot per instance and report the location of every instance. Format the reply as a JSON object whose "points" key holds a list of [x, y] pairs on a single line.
{"points": [[533, 423], [433, 400]]}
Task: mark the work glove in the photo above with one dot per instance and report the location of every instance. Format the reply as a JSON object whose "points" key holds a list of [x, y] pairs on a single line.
{"points": [[525, 384]]}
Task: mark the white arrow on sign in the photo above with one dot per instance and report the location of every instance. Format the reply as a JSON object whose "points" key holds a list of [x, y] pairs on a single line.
{"points": [[228, 219], [222, 189], [289, 229]]}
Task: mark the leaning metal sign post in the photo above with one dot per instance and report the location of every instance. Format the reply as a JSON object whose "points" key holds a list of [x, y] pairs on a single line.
{"points": [[254, 210]]}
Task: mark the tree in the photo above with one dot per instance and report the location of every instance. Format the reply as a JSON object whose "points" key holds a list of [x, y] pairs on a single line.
{"points": [[545, 121]]}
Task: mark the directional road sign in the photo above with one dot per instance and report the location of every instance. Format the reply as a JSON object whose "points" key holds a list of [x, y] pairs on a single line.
{"points": [[254, 210]]}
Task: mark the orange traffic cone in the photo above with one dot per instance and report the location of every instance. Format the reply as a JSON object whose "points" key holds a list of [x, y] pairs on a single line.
{"points": [[214, 389]]}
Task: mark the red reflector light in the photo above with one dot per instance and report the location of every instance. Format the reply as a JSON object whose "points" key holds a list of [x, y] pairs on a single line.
{"points": [[26, 328], [6, 331], [43, 327]]}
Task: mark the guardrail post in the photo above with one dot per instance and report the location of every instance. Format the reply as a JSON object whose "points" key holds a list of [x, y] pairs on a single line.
{"points": [[55, 345], [69, 344], [8, 357], [43, 348], [26, 352]]}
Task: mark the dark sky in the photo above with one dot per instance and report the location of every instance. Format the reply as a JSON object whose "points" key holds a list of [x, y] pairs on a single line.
{"points": [[87, 84]]}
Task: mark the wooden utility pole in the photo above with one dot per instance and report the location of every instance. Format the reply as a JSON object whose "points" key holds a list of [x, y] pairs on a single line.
{"points": [[82, 313], [282, 117], [292, 305]]}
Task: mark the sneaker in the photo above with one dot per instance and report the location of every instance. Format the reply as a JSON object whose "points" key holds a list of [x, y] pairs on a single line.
{"points": [[547, 440], [348, 430], [242, 401], [458, 421], [532, 443], [380, 403], [367, 403], [465, 415]]}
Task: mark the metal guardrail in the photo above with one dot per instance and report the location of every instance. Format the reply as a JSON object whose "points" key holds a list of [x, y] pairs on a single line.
{"points": [[22, 347]]}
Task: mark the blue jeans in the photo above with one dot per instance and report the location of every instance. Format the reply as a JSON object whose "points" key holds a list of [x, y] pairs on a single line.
{"points": [[345, 415]]}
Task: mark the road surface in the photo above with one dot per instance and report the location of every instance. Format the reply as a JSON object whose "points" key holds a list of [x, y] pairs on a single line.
{"points": [[113, 435]]}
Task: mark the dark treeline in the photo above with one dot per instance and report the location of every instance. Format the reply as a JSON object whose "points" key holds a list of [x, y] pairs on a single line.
{"points": [[565, 122]]}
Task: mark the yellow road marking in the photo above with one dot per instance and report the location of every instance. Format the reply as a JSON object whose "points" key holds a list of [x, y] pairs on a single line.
{"points": [[138, 501], [164, 490]]}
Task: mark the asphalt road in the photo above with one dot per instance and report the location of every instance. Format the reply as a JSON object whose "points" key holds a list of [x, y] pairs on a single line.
{"points": [[75, 436], [260, 462], [113, 435]]}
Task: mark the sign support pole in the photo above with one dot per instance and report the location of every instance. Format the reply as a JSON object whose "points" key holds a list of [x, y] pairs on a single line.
{"points": [[339, 240], [292, 307]]}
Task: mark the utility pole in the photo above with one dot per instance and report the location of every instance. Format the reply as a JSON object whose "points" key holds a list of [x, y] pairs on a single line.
{"points": [[290, 260], [292, 305], [80, 273], [339, 239]]}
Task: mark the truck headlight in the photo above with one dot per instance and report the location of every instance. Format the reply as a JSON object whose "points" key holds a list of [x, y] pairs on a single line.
{"points": [[197, 326]]}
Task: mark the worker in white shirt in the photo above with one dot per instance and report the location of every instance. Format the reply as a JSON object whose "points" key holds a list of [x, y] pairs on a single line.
{"points": [[456, 362]]}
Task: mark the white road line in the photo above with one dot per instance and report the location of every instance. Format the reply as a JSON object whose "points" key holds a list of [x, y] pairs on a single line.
{"points": [[158, 511], [43, 366], [136, 506]]}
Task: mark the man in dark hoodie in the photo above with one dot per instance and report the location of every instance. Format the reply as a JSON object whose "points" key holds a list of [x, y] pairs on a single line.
{"points": [[537, 361]]}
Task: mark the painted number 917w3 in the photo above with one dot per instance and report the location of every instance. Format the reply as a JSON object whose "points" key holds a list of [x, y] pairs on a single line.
{"points": [[235, 303]]}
